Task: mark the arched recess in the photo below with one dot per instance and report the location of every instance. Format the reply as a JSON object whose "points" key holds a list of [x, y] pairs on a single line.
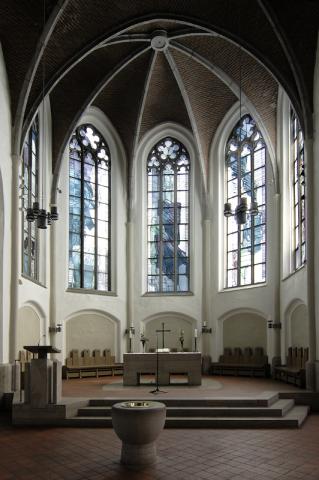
{"points": [[242, 327], [90, 330], [173, 321], [31, 328], [296, 325]]}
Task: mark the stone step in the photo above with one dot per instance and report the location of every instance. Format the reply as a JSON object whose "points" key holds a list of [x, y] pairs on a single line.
{"points": [[277, 409], [265, 400], [293, 419]]}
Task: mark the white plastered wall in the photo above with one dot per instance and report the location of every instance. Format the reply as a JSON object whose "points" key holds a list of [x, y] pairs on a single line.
{"points": [[293, 285], [38, 292], [70, 303], [5, 211], [145, 306], [259, 298]]}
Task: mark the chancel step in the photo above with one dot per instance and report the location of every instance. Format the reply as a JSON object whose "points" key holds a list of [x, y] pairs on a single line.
{"points": [[265, 400], [278, 409], [260, 412]]}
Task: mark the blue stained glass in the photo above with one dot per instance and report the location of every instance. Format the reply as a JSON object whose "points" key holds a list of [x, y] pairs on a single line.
{"points": [[75, 187], [89, 208], [75, 168], [88, 279], [168, 197], [74, 241], [75, 205], [182, 283], [75, 223], [168, 182], [89, 173], [89, 190], [74, 260]]}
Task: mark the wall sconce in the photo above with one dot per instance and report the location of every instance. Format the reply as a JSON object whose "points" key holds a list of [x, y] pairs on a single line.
{"points": [[271, 324], [205, 329], [56, 329], [241, 211], [130, 331]]}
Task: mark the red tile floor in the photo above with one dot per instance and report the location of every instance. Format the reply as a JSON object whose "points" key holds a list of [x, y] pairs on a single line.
{"points": [[215, 454]]}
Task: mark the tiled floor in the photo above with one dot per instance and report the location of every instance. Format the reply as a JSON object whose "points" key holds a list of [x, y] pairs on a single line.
{"points": [[93, 454]]}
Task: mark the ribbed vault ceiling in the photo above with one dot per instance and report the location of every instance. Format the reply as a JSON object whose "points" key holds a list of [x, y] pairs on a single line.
{"points": [[101, 53]]}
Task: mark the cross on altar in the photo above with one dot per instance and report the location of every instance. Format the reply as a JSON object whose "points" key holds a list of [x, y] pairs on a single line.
{"points": [[163, 331]]}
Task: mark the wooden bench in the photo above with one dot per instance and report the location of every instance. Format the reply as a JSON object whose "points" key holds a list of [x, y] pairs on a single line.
{"points": [[295, 369], [248, 363], [86, 365]]}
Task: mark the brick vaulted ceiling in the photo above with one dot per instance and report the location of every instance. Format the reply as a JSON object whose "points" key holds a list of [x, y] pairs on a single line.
{"points": [[100, 52]]}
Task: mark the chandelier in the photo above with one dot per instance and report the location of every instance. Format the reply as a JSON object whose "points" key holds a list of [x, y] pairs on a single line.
{"points": [[42, 217]]}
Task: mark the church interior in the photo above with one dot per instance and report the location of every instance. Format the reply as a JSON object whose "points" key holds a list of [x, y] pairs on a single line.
{"points": [[158, 228]]}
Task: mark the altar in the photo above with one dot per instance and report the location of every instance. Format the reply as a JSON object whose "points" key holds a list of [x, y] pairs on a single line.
{"points": [[137, 364]]}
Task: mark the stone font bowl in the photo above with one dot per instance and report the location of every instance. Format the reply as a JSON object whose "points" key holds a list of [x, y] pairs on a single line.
{"points": [[138, 424]]}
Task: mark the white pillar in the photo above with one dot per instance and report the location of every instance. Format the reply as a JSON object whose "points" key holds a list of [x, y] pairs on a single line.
{"points": [[15, 257]]}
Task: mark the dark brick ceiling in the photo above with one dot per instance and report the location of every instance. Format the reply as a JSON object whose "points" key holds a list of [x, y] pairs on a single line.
{"points": [[278, 37]]}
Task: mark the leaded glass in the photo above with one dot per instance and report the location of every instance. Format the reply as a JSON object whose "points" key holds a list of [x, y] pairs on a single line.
{"points": [[299, 219], [30, 166], [168, 167], [89, 208], [245, 175]]}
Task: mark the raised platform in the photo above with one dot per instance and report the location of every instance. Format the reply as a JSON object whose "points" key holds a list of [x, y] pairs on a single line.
{"points": [[266, 410]]}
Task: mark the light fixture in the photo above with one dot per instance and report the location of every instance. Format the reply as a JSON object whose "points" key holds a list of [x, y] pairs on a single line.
{"points": [[241, 211], [42, 217], [205, 329], [56, 329]]}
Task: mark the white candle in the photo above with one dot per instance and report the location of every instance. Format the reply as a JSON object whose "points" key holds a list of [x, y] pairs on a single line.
{"points": [[204, 323], [130, 334], [195, 333]]}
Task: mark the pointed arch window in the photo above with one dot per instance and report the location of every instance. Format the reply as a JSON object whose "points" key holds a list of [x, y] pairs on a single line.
{"points": [[299, 199], [89, 210], [30, 173], [168, 171], [246, 179]]}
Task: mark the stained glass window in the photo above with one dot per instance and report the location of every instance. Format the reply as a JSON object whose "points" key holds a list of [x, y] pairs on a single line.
{"points": [[30, 167], [168, 167], [299, 200], [246, 178], [89, 210]]}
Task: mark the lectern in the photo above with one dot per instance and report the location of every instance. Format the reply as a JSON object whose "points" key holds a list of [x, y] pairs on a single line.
{"points": [[43, 377]]}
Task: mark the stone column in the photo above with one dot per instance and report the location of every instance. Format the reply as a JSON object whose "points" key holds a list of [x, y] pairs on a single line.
{"points": [[310, 251]]}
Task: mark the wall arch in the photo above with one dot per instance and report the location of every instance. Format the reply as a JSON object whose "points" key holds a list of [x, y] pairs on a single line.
{"points": [[296, 325], [173, 321], [91, 329], [31, 328], [243, 327]]}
